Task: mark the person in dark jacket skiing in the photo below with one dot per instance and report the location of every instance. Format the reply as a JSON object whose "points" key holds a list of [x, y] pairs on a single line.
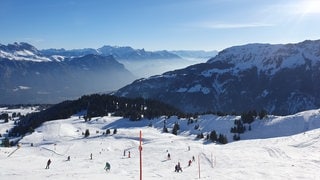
{"points": [[177, 168], [48, 164], [107, 167]]}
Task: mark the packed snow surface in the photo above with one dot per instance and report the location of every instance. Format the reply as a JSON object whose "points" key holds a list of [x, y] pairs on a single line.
{"points": [[276, 148]]}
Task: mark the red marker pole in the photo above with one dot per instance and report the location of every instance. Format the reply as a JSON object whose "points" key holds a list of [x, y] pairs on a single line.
{"points": [[199, 165], [140, 149]]}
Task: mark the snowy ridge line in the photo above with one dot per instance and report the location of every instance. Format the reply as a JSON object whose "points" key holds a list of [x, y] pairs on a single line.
{"points": [[269, 57]]}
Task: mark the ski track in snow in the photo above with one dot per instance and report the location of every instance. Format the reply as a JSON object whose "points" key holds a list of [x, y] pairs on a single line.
{"points": [[276, 153]]}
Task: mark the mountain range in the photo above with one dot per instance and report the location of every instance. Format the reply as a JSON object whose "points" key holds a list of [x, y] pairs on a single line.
{"points": [[25, 51], [281, 79], [140, 62], [29, 76], [117, 52]]}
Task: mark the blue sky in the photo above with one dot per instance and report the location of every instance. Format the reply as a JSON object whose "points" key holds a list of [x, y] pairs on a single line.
{"points": [[158, 24]]}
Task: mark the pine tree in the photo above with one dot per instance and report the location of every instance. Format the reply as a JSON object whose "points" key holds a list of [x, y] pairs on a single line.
{"points": [[6, 142], [87, 133], [236, 137], [31, 130], [5, 116], [200, 136], [175, 129], [222, 139], [165, 129], [208, 137], [248, 117], [213, 136], [262, 114]]}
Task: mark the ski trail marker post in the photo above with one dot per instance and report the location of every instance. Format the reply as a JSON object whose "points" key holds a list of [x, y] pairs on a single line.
{"points": [[140, 150]]}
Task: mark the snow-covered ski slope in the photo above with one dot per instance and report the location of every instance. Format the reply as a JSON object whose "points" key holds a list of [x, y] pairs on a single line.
{"points": [[276, 148]]}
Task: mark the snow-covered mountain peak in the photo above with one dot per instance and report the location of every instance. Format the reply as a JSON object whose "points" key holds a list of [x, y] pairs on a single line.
{"points": [[22, 51], [117, 48], [267, 57], [116, 51], [18, 46], [282, 79]]}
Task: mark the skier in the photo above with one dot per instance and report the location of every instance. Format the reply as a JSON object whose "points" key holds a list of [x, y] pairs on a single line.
{"points": [[189, 163], [91, 156], [107, 167], [177, 168], [129, 154], [193, 159], [124, 152], [169, 156], [68, 158], [48, 164]]}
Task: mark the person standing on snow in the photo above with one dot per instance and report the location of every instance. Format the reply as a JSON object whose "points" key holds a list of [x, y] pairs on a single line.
{"points": [[179, 167], [48, 164], [107, 167]]}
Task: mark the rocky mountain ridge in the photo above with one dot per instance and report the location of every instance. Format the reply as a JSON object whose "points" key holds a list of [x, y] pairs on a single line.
{"points": [[282, 79]]}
